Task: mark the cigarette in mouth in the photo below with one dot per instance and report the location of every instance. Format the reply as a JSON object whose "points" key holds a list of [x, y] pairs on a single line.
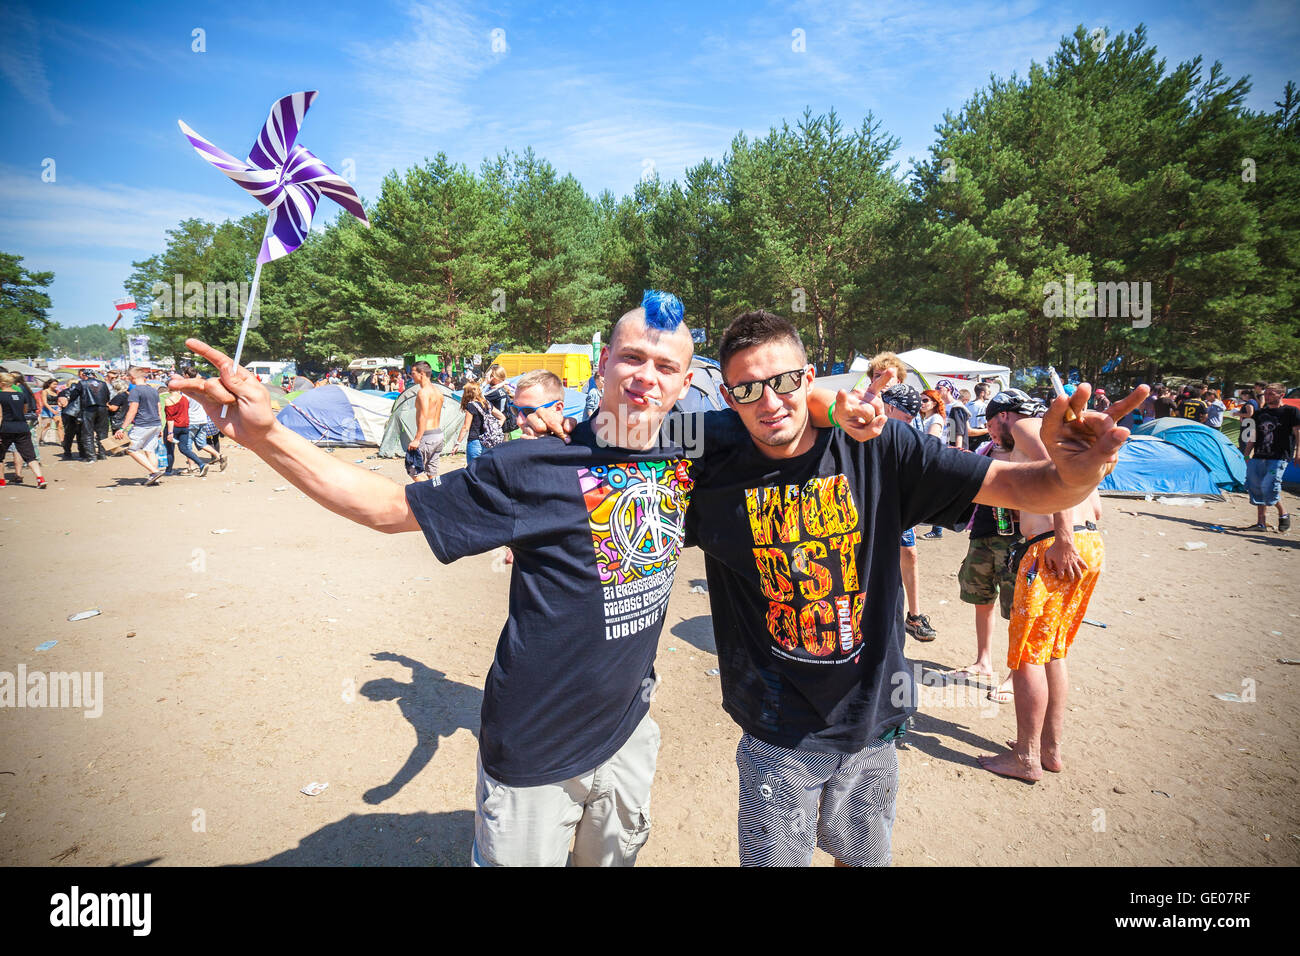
{"points": [[653, 401]]}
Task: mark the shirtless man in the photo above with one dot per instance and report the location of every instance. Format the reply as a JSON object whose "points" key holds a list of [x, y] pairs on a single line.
{"points": [[425, 449], [1062, 559]]}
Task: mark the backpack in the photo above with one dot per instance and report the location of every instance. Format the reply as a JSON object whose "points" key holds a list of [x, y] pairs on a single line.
{"points": [[492, 434]]}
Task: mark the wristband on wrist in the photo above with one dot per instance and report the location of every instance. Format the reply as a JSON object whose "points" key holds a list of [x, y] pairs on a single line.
{"points": [[830, 413]]}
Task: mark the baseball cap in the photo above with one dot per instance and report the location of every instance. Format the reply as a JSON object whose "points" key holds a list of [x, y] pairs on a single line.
{"points": [[903, 397], [1015, 401]]}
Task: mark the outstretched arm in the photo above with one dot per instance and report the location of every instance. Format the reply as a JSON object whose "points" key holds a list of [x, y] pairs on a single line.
{"points": [[358, 495], [1079, 451]]}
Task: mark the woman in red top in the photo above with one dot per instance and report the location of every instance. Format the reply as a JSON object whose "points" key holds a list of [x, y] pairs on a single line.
{"points": [[178, 433]]}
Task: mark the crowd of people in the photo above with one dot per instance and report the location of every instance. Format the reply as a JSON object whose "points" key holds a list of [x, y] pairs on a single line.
{"points": [[388, 380], [805, 504], [132, 409], [799, 501]]}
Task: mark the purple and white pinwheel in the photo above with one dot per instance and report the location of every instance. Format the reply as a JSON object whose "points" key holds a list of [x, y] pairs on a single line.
{"points": [[283, 176]]}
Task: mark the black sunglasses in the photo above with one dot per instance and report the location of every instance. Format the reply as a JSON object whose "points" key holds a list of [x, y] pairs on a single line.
{"points": [[782, 384]]}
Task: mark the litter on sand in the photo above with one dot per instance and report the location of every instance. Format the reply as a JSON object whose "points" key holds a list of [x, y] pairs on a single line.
{"points": [[82, 615], [314, 789], [1287, 660], [1232, 698], [45, 645], [1181, 502], [222, 530], [699, 590], [712, 672], [1088, 620], [1194, 546]]}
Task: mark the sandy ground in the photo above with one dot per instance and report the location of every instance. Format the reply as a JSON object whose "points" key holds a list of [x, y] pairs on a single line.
{"points": [[298, 647]]}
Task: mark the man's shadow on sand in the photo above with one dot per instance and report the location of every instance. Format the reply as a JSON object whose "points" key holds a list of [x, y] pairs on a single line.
{"points": [[385, 839], [435, 706]]}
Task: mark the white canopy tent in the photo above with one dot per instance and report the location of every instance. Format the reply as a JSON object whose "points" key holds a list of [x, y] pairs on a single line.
{"points": [[930, 367]]}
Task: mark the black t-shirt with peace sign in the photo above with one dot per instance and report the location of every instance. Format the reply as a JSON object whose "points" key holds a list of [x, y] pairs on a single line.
{"points": [[596, 532]]}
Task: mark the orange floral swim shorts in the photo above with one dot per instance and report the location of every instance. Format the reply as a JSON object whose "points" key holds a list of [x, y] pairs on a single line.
{"points": [[1047, 609]]}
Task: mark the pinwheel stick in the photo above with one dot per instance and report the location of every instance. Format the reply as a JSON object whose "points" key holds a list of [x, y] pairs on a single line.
{"points": [[248, 308]]}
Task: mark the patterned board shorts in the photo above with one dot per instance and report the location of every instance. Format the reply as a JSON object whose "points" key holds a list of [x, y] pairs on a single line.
{"points": [[1048, 610], [984, 576], [793, 800]]}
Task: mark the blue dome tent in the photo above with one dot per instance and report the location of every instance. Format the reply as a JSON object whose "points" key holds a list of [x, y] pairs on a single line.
{"points": [[1207, 445], [1153, 466]]}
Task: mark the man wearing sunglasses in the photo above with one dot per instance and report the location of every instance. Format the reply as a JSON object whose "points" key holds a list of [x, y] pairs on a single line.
{"points": [[800, 529], [539, 396], [567, 747]]}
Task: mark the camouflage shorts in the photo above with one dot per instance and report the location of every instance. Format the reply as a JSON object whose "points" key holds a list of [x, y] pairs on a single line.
{"points": [[984, 577]]}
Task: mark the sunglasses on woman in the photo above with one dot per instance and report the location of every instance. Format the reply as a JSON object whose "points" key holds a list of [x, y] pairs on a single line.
{"points": [[782, 384]]}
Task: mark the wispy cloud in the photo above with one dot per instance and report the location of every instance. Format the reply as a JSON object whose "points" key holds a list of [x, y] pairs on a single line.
{"points": [[69, 214], [417, 86], [21, 63], [88, 234]]}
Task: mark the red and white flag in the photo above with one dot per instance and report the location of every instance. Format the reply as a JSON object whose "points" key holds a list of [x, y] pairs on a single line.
{"points": [[123, 305]]}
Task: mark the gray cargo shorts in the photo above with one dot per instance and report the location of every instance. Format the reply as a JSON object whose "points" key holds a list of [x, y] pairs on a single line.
{"points": [[605, 814], [426, 455]]}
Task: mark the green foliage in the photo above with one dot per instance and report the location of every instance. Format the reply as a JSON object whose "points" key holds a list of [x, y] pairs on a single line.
{"points": [[23, 304], [1099, 165], [87, 341]]}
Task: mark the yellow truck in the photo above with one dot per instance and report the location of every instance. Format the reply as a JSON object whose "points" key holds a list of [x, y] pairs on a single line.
{"points": [[573, 368]]}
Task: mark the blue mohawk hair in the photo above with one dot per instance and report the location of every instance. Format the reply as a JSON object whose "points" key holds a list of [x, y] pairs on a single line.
{"points": [[663, 310]]}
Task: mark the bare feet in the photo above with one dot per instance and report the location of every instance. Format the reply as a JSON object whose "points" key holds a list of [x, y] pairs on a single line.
{"points": [[1013, 765], [1050, 759]]}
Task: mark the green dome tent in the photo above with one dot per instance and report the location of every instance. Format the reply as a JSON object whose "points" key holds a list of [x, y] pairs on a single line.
{"points": [[401, 423]]}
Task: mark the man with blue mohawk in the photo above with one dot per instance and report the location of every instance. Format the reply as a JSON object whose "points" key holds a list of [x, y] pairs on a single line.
{"points": [[567, 747]]}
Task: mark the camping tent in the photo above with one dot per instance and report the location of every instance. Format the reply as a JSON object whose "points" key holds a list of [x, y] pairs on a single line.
{"points": [[400, 428], [1207, 445], [337, 415], [1152, 466], [703, 395], [278, 397], [930, 366], [25, 370]]}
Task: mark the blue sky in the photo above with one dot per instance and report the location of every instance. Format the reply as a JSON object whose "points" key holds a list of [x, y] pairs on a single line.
{"points": [[600, 90]]}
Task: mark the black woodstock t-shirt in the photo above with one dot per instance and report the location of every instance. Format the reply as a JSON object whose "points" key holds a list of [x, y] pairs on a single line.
{"points": [[802, 563], [596, 532], [1274, 437]]}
